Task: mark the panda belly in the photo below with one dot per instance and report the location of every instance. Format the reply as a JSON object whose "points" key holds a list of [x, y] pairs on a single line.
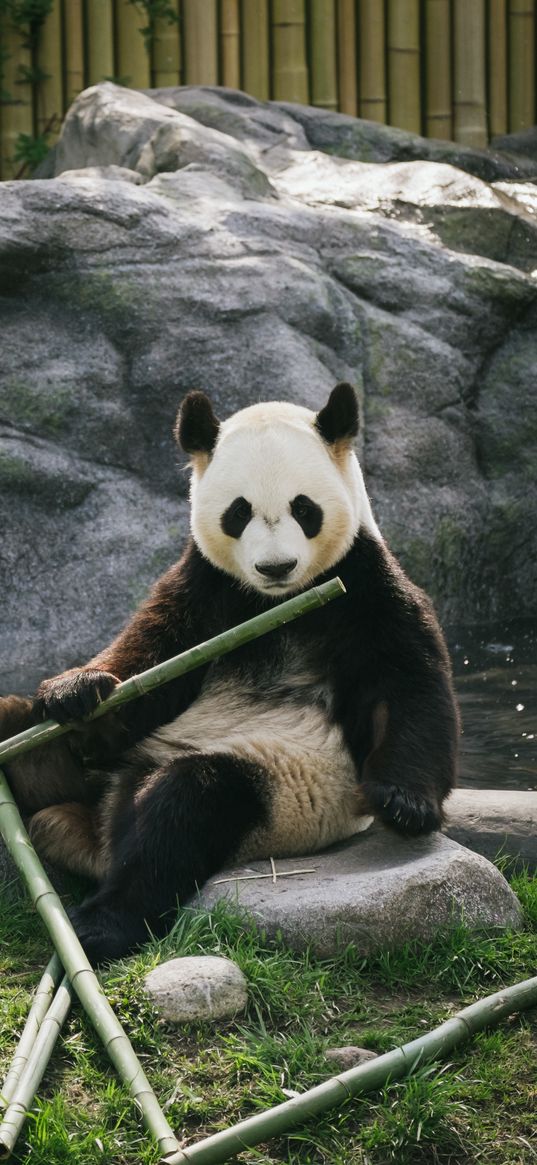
{"points": [[311, 784]]}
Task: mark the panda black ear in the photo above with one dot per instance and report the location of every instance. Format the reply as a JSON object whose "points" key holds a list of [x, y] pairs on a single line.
{"points": [[338, 420], [196, 427]]}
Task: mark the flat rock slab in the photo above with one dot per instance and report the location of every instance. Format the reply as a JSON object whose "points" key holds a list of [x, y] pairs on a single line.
{"points": [[197, 987], [377, 891], [495, 822]]}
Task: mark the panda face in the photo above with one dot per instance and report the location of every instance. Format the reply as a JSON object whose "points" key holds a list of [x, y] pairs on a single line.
{"points": [[275, 504]]}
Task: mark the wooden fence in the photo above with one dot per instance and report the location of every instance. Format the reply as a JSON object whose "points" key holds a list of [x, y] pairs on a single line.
{"points": [[462, 69]]}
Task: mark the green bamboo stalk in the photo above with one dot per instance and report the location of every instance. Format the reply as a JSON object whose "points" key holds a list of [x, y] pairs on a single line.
{"points": [[73, 40], [404, 64], [166, 51], [152, 678], [50, 89], [470, 110], [26, 1088], [324, 92], [497, 66], [438, 116], [255, 48], [391, 1066], [289, 69], [230, 56], [42, 999], [99, 40], [372, 37], [346, 57], [201, 42], [132, 58], [521, 64]]}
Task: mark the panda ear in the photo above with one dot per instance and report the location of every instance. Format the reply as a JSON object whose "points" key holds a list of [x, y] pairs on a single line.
{"points": [[338, 420], [196, 427]]}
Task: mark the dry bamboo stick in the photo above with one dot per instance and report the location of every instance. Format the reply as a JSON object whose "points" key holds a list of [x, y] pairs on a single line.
{"points": [[73, 41], [346, 57], [17, 109], [521, 64], [99, 32], [470, 111], [166, 50], [255, 76], [49, 103], [497, 67], [201, 42], [230, 43], [289, 69], [132, 57], [438, 115], [372, 38], [404, 64], [42, 999], [324, 91]]}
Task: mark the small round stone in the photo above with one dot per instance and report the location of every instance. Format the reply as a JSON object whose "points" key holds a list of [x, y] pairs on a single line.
{"points": [[197, 987], [349, 1056]]}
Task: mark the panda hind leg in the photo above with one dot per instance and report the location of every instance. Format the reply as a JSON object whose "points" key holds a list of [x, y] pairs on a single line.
{"points": [[47, 774], [68, 836], [166, 837]]}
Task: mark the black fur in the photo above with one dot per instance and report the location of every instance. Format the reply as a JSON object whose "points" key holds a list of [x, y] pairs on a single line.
{"points": [[338, 420], [308, 515], [196, 428], [235, 519]]}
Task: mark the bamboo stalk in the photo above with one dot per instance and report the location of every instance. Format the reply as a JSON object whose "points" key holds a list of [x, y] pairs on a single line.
{"points": [[324, 91], [497, 66], [391, 1066], [470, 110], [42, 999], [49, 94], [255, 48], [230, 43], [166, 50], [17, 111], [372, 38], [73, 41], [438, 116], [99, 40], [132, 57], [404, 64], [521, 64], [79, 971], [180, 664], [26, 1087], [289, 69], [201, 42], [346, 57]]}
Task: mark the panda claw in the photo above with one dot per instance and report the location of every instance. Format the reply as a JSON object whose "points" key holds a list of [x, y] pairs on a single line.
{"points": [[403, 809]]}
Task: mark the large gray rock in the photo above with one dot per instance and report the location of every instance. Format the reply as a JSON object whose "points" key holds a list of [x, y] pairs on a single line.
{"points": [[495, 823], [199, 238], [377, 891]]}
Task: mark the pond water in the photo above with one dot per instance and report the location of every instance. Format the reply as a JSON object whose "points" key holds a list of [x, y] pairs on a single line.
{"points": [[496, 679]]}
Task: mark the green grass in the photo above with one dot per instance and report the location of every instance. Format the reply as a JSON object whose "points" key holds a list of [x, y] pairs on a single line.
{"points": [[478, 1107]]}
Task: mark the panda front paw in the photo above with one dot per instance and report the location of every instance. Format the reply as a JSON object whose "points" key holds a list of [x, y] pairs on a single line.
{"points": [[106, 934], [403, 809], [74, 694]]}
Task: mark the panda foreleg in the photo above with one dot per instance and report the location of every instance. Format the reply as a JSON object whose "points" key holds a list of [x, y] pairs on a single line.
{"points": [[166, 838]]}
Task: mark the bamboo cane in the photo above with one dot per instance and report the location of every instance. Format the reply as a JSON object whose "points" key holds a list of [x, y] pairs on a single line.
{"points": [[289, 71], [73, 40], [372, 38], [346, 57], [230, 43], [17, 112], [521, 64], [356, 1081], [323, 54], [40, 1005], [132, 57], [99, 40], [32, 1075], [50, 87], [201, 42], [470, 111], [255, 48], [497, 66], [438, 117], [166, 51], [404, 64]]}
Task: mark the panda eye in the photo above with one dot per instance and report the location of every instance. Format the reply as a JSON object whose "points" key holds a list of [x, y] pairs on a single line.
{"points": [[235, 519], [308, 515]]}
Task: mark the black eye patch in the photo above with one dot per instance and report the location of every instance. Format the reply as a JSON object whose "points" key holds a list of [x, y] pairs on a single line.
{"points": [[308, 515], [235, 519]]}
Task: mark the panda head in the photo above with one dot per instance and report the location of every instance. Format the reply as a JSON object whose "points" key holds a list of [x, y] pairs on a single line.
{"points": [[277, 495]]}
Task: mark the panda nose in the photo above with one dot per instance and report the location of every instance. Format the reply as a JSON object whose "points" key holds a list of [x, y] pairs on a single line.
{"points": [[276, 569]]}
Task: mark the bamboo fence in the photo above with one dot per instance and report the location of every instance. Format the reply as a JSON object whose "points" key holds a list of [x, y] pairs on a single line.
{"points": [[462, 69]]}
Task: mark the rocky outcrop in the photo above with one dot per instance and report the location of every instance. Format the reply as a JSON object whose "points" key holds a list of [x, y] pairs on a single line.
{"points": [[198, 238]]}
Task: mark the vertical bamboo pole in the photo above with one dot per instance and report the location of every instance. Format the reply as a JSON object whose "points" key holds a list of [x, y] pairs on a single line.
{"points": [[521, 64], [49, 102], [404, 64], [372, 37], [438, 117], [255, 48], [166, 51], [230, 43], [497, 66], [17, 111], [132, 57], [346, 57], [73, 42], [290, 72], [201, 42], [322, 42], [470, 111], [99, 40]]}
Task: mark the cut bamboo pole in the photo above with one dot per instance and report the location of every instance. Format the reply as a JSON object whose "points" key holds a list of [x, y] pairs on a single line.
{"points": [[521, 64], [73, 41], [365, 1078], [32, 1075], [49, 90], [255, 52], [470, 109], [17, 108], [322, 39], [230, 55], [166, 51], [201, 42], [438, 101], [404, 102], [99, 40], [497, 67], [132, 57], [346, 57], [289, 69], [372, 39], [42, 999]]}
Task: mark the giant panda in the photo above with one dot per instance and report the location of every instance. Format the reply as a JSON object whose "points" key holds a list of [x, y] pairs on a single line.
{"points": [[282, 747]]}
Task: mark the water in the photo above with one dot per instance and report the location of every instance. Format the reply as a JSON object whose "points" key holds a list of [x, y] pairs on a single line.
{"points": [[496, 679]]}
